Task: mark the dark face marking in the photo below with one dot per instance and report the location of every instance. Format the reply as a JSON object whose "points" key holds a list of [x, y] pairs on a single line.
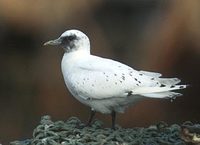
{"points": [[68, 41], [72, 37], [152, 78], [172, 86]]}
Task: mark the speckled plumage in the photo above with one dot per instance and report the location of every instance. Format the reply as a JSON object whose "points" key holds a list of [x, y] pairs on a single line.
{"points": [[107, 85]]}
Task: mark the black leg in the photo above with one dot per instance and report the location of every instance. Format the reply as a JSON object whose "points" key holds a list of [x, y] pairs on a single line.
{"points": [[92, 114], [113, 119]]}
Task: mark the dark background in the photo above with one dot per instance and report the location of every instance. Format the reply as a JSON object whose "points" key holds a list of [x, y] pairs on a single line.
{"points": [[153, 35]]}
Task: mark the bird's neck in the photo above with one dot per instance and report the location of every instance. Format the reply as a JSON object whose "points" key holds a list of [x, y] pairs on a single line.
{"points": [[83, 46], [77, 54]]}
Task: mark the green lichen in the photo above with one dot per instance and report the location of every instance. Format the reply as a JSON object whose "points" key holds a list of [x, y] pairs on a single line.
{"points": [[73, 132]]}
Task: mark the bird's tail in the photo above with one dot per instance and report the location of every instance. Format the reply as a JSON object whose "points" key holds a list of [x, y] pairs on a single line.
{"points": [[162, 90], [167, 94]]}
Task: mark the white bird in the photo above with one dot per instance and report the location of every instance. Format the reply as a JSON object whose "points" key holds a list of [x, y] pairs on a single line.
{"points": [[105, 85]]}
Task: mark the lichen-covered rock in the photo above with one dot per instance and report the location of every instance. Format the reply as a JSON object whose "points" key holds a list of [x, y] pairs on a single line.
{"points": [[74, 132]]}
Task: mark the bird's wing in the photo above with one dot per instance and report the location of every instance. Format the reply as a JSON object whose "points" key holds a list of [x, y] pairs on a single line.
{"points": [[103, 78], [151, 74]]}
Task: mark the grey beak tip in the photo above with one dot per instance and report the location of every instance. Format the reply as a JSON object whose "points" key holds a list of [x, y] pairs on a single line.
{"points": [[52, 42], [45, 44]]}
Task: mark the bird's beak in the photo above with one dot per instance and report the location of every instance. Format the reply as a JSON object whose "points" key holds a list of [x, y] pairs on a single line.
{"points": [[53, 42]]}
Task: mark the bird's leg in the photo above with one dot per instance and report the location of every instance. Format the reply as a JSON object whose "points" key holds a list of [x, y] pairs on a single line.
{"points": [[92, 114], [113, 114]]}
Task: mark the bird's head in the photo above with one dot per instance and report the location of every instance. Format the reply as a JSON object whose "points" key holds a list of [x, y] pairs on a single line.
{"points": [[71, 40]]}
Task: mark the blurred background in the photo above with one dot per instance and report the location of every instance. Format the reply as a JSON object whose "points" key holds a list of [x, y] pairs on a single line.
{"points": [[152, 35]]}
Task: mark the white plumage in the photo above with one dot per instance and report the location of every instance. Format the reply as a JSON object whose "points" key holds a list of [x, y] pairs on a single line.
{"points": [[104, 84]]}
